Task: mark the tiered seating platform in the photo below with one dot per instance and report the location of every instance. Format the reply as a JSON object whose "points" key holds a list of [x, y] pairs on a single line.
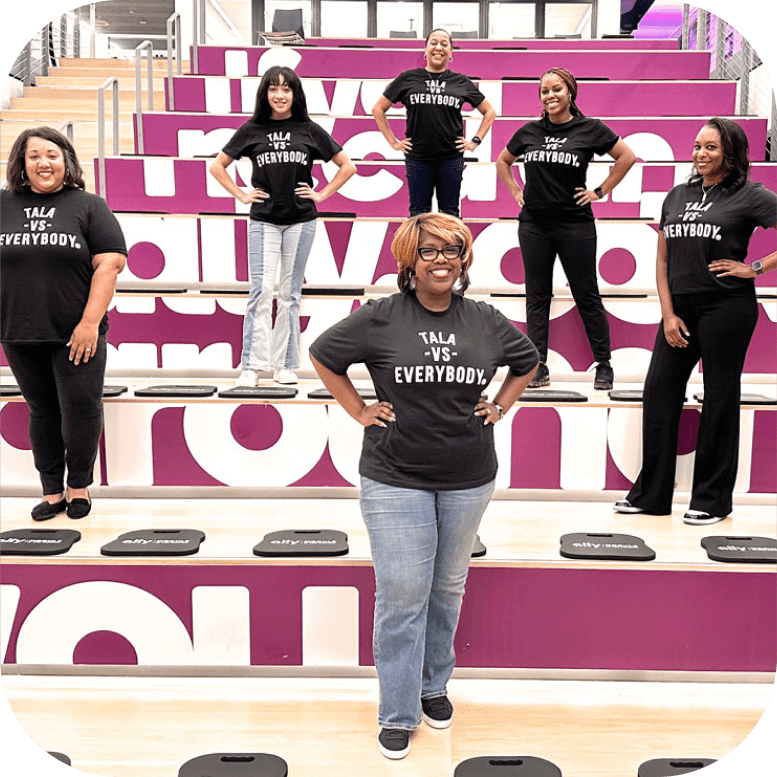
{"points": [[223, 650]]}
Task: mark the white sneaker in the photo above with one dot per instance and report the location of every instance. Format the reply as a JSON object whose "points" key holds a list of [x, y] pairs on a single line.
{"points": [[284, 376], [248, 378]]}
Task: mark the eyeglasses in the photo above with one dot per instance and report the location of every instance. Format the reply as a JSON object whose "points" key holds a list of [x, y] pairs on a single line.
{"points": [[429, 254]]}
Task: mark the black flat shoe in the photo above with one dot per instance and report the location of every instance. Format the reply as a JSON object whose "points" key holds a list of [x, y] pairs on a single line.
{"points": [[47, 510], [78, 508]]}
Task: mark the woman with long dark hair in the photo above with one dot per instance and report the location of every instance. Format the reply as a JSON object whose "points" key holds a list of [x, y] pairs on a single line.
{"points": [[282, 144], [556, 216], [708, 312]]}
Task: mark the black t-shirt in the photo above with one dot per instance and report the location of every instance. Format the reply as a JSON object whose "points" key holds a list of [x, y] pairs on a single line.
{"points": [[47, 242], [434, 102], [282, 154], [432, 367], [556, 158], [699, 232]]}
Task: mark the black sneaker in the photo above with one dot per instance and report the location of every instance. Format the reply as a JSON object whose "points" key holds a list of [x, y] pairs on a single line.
{"points": [[541, 377], [604, 376], [394, 743], [698, 518], [437, 712]]}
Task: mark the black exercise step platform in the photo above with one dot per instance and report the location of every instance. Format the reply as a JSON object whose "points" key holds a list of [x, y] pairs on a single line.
{"points": [[164, 390], [668, 767], [741, 550], [293, 543], [37, 542], [114, 390], [551, 395], [605, 547], [333, 291], [507, 766], [745, 399], [60, 757], [629, 395], [10, 390], [324, 393], [235, 765], [259, 392], [155, 542]]}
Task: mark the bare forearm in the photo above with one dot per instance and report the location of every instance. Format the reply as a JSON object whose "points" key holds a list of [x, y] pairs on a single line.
{"points": [[101, 292], [512, 388], [341, 388]]}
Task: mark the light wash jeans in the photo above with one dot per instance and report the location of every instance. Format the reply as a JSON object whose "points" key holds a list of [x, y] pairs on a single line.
{"points": [[421, 546], [271, 246]]}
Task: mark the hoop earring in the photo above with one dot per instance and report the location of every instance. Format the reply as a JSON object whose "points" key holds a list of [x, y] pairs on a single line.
{"points": [[24, 175], [411, 279]]}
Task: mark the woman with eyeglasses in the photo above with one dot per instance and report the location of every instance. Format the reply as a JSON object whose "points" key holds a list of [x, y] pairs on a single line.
{"points": [[428, 461], [434, 145]]}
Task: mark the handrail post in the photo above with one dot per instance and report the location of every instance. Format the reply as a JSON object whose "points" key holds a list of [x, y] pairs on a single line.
{"points": [[146, 44], [92, 30], [198, 33], [173, 22], [66, 128], [112, 82]]}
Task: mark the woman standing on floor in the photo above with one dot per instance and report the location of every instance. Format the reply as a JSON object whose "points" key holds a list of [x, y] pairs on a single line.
{"points": [[708, 312], [282, 143], [434, 145], [61, 250], [428, 461], [556, 216]]}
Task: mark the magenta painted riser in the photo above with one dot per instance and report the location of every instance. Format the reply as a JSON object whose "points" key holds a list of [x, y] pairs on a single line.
{"points": [[167, 185], [651, 620], [492, 44], [387, 63], [222, 443], [354, 97], [188, 250], [653, 139]]}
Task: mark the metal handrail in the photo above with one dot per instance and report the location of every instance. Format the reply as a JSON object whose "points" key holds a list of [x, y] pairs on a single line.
{"points": [[113, 82], [198, 33], [174, 22], [66, 128], [149, 46]]}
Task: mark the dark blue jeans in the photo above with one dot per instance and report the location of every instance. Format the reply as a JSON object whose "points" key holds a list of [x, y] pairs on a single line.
{"points": [[443, 176], [66, 409]]}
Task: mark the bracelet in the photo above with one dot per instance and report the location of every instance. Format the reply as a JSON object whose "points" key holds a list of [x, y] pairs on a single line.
{"points": [[499, 409], [476, 140]]}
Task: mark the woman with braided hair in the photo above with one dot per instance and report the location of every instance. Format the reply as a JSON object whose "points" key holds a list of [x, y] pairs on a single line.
{"points": [[556, 216]]}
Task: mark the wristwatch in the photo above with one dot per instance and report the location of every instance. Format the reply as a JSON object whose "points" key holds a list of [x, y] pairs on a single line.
{"points": [[758, 266], [477, 141], [499, 409], [598, 192]]}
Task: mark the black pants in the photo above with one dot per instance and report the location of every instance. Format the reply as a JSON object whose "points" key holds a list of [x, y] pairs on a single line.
{"points": [[575, 245], [66, 410], [721, 325]]}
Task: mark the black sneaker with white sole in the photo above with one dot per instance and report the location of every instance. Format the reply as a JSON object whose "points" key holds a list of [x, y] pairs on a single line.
{"points": [[604, 376], [541, 377], [437, 712], [624, 506], [394, 743], [698, 518]]}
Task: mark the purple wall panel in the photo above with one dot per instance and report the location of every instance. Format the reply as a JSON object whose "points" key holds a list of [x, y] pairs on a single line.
{"points": [[512, 617], [162, 134], [519, 98], [129, 180], [343, 63], [492, 44]]}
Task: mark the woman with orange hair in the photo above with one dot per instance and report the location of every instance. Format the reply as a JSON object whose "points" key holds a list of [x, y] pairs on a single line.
{"points": [[428, 461]]}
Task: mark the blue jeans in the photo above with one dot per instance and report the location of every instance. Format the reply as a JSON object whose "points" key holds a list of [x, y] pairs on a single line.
{"points": [[444, 176], [421, 546], [271, 246]]}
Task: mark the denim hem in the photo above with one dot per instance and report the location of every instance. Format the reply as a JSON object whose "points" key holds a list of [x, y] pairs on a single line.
{"points": [[402, 728]]}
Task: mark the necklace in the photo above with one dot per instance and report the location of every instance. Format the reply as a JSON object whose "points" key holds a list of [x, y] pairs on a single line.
{"points": [[705, 192]]}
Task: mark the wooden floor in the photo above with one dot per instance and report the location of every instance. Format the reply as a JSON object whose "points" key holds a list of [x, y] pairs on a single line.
{"points": [[514, 532], [128, 727]]}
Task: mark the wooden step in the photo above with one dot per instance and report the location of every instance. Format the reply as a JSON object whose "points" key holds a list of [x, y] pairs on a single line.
{"points": [[80, 100], [158, 63], [326, 727]]}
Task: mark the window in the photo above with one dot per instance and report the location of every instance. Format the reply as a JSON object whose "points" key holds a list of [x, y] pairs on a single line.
{"points": [[343, 19], [400, 17]]}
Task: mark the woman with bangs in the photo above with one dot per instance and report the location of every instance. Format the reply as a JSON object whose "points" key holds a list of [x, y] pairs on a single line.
{"points": [[282, 143], [428, 462]]}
